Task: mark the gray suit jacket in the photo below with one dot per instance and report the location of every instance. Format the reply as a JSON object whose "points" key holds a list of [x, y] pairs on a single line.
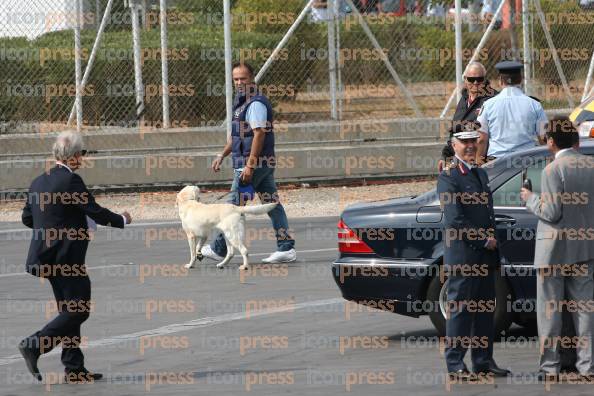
{"points": [[565, 209]]}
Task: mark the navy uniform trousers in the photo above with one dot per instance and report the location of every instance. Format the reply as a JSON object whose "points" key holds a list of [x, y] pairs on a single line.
{"points": [[470, 328]]}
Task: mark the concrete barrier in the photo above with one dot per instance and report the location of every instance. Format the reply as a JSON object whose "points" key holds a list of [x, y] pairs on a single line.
{"points": [[118, 140], [293, 164]]}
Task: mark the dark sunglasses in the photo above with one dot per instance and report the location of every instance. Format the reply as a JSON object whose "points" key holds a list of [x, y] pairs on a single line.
{"points": [[475, 79]]}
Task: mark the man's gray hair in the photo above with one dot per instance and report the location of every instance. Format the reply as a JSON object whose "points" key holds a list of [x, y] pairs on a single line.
{"points": [[67, 144], [477, 65]]}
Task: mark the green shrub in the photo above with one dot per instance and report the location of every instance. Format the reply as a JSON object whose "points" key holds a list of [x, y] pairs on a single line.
{"points": [[254, 15]]}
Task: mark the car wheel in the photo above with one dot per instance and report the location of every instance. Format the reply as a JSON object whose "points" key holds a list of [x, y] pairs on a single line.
{"points": [[437, 294]]}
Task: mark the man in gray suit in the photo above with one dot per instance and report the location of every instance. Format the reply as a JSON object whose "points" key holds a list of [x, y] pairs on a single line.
{"points": [[564, 253]]}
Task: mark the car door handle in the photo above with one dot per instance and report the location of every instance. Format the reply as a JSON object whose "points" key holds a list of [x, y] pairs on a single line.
{"points": [[505, 220]]}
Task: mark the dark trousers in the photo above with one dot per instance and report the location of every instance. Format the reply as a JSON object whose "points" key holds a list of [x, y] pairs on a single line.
{"points": [[470, 326], [73, 299]]}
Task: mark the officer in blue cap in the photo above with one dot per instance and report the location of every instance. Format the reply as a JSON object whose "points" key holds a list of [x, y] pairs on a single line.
{"points": [[510, 121]]}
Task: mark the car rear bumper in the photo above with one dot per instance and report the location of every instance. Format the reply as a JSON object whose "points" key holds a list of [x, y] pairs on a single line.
{"points": [[394, 285]]}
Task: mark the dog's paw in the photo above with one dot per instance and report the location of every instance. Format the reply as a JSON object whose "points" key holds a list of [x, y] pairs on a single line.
{"points": [[243, 267], [220, 265], [189, 265]]}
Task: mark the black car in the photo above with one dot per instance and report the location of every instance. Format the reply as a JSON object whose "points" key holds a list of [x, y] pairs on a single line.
{"points": [[391, 252]]}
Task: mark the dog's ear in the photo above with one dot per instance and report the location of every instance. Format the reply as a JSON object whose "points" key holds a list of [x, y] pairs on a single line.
{"points": [[184, 195]]}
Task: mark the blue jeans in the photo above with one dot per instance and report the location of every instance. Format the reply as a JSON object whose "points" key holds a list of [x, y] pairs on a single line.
{"points": [[265, 186]]}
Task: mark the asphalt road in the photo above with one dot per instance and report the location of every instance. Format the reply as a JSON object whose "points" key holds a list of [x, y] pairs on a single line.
{"points": [[274, 330]]}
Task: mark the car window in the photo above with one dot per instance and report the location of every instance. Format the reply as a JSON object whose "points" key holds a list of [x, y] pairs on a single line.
{"points": [[508, 194], [534, 173]]}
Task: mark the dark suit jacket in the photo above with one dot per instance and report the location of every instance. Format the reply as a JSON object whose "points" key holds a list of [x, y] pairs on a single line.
{"points": [[469, 219], [57, 205]]}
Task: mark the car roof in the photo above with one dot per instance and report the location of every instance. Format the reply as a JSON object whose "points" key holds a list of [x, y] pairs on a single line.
{"points": [[501, 164]]}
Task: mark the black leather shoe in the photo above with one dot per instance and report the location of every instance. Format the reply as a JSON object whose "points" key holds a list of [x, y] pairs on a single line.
{"points": [[81, 376], [569, 369], [460, 375], [543, 376], [31, 357], [496, 371]]}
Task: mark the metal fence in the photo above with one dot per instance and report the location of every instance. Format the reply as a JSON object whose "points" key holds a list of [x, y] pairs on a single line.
{"points": [[317, 59]]}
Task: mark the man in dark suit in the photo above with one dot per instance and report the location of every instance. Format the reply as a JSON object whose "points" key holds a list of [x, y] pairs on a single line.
{"points": [[57, 209], [470, 260]]}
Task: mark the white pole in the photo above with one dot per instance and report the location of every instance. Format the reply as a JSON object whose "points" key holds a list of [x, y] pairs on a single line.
{"points": [[93, 55], [588, 79], [164, 64], [526, 44], [554, 52], [134, 8], [458, 21], [590, 93], [479, 47], [228, 66], [338, 69], [283, 41], [474, 8], [268, 62], [77, 65], [332, 57], [385, 59], [97, 11]]}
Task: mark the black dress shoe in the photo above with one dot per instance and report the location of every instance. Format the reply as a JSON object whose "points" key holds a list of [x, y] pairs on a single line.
{"points": [[459, 375], [495, 370], [31, 357], [543, 376], [569, 369], [81, 376]]}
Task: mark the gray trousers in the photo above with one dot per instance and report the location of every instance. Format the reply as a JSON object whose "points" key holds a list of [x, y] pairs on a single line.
{"points": [[552, 291]]}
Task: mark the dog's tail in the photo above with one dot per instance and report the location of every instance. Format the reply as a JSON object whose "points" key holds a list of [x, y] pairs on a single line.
{"points": [[257, 209]]}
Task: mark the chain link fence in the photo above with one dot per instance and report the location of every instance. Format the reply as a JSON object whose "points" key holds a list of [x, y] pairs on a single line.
{"points": [[395, 58]]}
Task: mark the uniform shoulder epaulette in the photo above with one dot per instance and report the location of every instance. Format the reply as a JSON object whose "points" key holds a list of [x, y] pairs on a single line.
{"points": [[534, 97], [448, 167], [462, 169]]}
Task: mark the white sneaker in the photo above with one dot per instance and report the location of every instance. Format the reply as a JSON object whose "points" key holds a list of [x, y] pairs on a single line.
{"points": [[209, 253], [281, 257]]}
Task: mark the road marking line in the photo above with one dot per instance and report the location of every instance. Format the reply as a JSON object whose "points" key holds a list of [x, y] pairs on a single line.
{"points": [[129, 265], [100, 227], [185, 326]]}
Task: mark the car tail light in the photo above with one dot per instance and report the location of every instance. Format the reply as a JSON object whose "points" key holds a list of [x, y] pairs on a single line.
{"points": [[348, 242]]}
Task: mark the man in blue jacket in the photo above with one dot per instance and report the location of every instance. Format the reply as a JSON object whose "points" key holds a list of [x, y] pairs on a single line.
{"points": [[254, 161]]}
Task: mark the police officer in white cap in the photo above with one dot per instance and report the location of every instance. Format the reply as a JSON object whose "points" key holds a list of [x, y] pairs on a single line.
{"points": [[510, 121], [471, 257]]}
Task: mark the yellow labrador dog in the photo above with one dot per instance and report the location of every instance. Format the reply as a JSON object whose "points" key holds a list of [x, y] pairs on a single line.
{"points": [[198, 221]]}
